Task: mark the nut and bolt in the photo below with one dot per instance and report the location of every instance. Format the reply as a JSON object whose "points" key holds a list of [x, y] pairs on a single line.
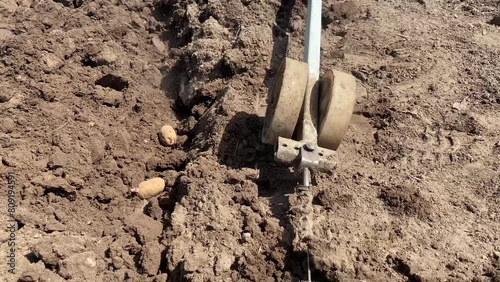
{"points": [[309, 147]]}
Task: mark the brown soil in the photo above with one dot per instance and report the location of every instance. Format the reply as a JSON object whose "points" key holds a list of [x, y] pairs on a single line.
{"points": [[86, 85]]}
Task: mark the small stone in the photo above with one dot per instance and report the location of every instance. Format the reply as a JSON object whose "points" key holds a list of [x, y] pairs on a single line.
{"points": [[106, 57], [57, 160], [59, 172], [5, 33], [90, 262], [117, 262], [465, 257], [14, 101], [48, 93], [51, 62], [363, 268], [80, 267], [29, 276], [137, 21], [21, 121], [436, 245], [107, 96], [460, 106], [53, 184], [153, 24], [158, 44], [246, 237], [5, 96], [389, 260], [101, 56], [7, 125], [75, 181], [61, 216]]}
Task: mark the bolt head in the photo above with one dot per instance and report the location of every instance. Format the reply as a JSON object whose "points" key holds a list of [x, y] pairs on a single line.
{"points": [[309, 147]]}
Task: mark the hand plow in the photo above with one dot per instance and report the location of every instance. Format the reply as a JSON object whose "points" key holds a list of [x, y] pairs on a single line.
{"points": [[307, 116]]}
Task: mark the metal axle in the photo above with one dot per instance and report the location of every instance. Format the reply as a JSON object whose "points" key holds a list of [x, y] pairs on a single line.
{"points": [[309, 133], [309, 153]]}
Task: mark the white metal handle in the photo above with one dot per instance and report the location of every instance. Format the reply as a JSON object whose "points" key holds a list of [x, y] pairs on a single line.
{"points": [[313, 37]]}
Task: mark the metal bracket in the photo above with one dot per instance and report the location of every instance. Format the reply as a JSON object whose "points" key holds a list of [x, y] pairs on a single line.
{"points": [[291, 153], [309, 156]]}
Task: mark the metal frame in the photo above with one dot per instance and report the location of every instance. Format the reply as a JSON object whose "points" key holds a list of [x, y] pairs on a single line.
{"points": [[313, 37], [306, 156], [309, 153]]}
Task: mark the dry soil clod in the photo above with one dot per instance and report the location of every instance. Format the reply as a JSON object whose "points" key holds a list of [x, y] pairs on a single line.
{"points": [[150, 188], [167, 135]]}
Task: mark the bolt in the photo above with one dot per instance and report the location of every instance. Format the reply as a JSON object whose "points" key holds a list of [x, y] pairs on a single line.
{"points": [[309, 147]]}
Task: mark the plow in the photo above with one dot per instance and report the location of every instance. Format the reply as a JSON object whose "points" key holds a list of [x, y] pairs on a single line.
{"points": [[307, 117]]}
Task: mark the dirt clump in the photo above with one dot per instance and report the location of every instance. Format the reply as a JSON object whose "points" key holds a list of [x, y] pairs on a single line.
{"points": [[405, 201]]}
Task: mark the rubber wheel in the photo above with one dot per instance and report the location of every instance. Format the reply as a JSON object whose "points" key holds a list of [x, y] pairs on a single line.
{"points": [[337, 96], [285, 101]]}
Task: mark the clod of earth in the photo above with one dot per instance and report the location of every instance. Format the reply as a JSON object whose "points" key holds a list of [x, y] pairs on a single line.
{"points": [[7, 125], [167, 135], [150, 188], [5, 33], [107, 96], [158, 44]]}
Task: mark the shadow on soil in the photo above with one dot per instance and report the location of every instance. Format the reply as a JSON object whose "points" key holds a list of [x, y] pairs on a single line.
{"points": [[241, 147]]}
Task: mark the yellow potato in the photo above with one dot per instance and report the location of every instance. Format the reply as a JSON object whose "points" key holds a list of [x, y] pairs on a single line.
{"points": [[167, 135], [150, 188]]}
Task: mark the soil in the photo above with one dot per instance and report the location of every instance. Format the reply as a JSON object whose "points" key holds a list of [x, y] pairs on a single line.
{"points": [[87, 85]]}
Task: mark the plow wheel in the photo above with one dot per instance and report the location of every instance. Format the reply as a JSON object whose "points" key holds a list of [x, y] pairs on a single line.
{"points": [[337, 98], [285, 103]]}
